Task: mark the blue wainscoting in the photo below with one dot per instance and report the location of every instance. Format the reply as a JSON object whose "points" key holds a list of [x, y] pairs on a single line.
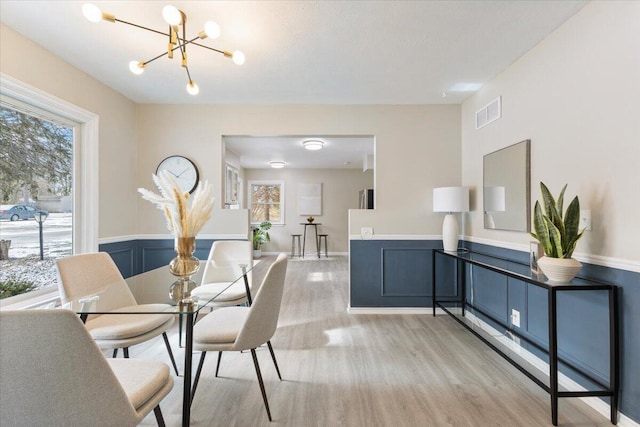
{"points": [[397, 273], [137, 256], [394, 273]]}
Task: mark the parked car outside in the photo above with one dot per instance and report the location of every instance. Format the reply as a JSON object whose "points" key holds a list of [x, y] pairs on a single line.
{"points": [[16, 212]]}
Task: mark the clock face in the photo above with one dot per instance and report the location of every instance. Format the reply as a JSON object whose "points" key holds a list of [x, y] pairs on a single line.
{"points": [[182, 170]]}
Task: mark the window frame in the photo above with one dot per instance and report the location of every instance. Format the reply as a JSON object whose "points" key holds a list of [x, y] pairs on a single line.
{"points": [[250, 184], [22, 96]]}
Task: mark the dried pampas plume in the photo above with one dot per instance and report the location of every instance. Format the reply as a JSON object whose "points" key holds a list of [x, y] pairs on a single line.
{"points": [[182, 220]]}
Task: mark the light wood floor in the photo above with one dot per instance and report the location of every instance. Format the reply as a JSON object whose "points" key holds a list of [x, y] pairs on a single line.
{"points": [[362, 370]]}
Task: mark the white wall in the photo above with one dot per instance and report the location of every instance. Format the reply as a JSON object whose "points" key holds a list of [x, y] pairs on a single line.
{"points": [[24, 60], [339, 194], [417, 148], [576, 96]]}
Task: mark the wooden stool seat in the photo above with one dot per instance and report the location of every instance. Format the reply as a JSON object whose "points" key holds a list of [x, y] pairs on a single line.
{"points": [[320, 238], [294, 238]]}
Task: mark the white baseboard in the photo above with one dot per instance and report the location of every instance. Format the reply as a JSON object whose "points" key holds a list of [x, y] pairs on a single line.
{"points": [[393, 310], [309, 255]]}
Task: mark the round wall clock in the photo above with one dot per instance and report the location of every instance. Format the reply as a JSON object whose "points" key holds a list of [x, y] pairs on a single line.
{"points": [[183, 170]]}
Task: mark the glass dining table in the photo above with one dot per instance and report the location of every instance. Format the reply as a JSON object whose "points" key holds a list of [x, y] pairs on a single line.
{"points": [[153, 287]]}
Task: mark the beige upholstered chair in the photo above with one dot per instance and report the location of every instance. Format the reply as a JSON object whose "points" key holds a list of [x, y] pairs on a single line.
{"points": [[216, 279], [81, 275], [244, 328], [53, 374]]}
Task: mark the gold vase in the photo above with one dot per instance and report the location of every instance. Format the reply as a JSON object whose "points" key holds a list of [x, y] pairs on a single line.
{"points": [[183, 266]]}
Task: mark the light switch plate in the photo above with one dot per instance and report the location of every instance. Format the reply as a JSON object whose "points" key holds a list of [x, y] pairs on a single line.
{"points": [[366, 233], [585, 219]]}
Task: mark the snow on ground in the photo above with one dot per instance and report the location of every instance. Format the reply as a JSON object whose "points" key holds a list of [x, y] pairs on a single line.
{"points": [[24, 254]]}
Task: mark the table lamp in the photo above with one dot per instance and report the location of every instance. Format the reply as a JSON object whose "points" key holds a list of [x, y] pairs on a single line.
{"points": [[450, 200]]}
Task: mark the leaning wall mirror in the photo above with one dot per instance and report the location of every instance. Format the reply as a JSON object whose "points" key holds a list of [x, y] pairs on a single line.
{"points": [[506, 188]]}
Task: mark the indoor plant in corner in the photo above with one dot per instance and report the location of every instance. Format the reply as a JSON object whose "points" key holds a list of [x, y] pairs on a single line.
{"points": [[260, 236], [558, 235]]}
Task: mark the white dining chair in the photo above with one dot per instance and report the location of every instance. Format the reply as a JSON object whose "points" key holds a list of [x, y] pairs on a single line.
{"points": [[96, 273], [244, 328], [221, 269], [52, 373]]}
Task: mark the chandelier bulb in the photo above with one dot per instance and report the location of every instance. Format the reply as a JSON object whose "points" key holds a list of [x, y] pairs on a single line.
{"points": [[137, 67], [192, 88], [212, 30], [171, 15], [238, 57], [92, 12]]}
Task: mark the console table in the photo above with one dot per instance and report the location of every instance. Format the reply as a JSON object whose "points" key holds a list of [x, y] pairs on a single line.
{"points": [[465, 261]]}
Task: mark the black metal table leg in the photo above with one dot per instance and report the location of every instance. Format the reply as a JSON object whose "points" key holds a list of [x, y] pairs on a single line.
{"points": [[186, 393], [246, 284], [315, 226], [614, 353], [433, 281], [304, 240], [463, 284], [553, 356]]}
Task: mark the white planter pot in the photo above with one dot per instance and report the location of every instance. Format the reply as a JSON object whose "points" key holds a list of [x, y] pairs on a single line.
{"points": [[257, 253], [559, 269]]}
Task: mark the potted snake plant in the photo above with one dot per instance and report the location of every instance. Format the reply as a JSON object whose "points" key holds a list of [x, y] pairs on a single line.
{"points": [[558, 234]]}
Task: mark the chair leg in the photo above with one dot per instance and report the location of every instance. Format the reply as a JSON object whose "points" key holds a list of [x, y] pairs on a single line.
{"points": [[273, 356], [115, 353], [173, 361], [195, 381], [126, 352], [264, 394], [159, 417], [218, 364]]}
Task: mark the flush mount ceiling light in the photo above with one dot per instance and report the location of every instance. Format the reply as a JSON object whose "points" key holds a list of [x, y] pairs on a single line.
{"points": [[313, 144], [277, 165], [176, 19]]}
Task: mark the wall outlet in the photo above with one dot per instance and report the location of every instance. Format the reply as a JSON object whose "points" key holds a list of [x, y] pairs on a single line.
{"points": [[515, 318], [366, 233]]}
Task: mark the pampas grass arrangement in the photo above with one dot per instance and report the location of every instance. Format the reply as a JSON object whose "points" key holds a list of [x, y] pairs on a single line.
{"points": [[182, 220]]}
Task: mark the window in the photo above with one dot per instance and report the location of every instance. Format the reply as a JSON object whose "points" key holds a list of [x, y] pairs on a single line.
{"points": [[266, 201], [82, 202]]}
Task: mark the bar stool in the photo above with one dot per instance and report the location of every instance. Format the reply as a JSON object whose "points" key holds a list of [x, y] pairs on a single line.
{"points": [[320, 237], [294, 238]]}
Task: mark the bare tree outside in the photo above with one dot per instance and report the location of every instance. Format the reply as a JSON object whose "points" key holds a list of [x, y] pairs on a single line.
{"points": [[36, 170], [265, 203]]}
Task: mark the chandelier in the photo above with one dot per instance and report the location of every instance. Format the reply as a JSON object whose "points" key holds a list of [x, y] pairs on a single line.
{"points": [[177, 21]]}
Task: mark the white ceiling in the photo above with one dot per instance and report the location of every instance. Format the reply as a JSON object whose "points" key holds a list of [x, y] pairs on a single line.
{"points": [[339, 152], [298, 52]]}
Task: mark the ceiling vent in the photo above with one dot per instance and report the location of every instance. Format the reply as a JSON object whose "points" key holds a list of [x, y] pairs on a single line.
{"points": [[489, 113]]}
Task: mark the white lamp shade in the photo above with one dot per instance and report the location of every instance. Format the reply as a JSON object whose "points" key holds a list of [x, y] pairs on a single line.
{"points": [[494, 199], [451, 199]]}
